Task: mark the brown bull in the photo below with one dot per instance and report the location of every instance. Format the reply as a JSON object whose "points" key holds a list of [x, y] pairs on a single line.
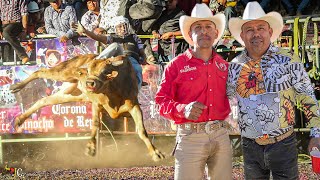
{"points": [[108, 84]]}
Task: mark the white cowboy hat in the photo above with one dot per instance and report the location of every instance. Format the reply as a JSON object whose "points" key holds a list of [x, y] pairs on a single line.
{"points": [[201, 12], [254, 11]]}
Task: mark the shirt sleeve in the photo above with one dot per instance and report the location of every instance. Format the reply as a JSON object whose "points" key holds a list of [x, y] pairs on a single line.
{"points": [[72, 19], [23, 8], [169, 108], [305, 96], [86, 21], [231, 82]]}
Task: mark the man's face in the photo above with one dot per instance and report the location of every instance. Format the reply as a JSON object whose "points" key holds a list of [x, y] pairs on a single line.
{"points": [[121, 29], [203, 33], [171, 4], [256, 36], [56, 4], [92, 5]]}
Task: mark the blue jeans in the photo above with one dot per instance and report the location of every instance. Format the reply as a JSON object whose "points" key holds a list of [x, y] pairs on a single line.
{"points": [[279, 158], [138, 70]]}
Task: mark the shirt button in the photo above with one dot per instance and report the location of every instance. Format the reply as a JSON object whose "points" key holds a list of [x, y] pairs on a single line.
{"points": [[209, 119], [210, 89], [209, 75], [210, 104], [191, 78]]}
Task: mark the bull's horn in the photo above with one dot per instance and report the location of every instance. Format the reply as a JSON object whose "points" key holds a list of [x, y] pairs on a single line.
{"points": [[117, 63]]}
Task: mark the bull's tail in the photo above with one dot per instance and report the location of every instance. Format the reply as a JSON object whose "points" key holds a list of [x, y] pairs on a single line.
{"points": [[114, 140]]}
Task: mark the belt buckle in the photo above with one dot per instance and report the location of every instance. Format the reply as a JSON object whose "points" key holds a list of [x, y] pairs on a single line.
{"points": [[187, 126], [207, 127]]}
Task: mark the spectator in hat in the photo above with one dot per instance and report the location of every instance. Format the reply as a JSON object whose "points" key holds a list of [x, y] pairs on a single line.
{"points": [[14, 22], [90, 20], [193, 95], [268, 82], [35, 19]]}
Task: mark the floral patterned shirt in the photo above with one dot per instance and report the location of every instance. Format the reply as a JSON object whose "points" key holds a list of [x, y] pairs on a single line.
{"points": [[267, 91], [11, 10], [108, 10], [90, 20], [59, 23]]}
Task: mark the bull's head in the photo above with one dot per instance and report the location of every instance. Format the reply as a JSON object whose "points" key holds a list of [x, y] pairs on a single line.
{"points": [[101, 71]]}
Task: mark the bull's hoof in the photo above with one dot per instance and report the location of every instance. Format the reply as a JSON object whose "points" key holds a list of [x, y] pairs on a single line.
{"points": [[15, 87], [91, 149], [157, 156]]}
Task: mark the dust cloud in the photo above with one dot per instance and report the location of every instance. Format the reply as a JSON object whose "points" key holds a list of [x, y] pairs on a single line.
{"points": [[125, 151]]}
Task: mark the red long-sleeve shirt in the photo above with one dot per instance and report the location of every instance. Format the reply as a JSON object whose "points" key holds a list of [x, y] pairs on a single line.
{"points": [[187, 79]]}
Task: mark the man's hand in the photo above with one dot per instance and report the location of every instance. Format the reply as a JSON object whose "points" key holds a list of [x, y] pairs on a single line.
{"points": [[41, 30], [194, 110], [78, 28], [64, 39], [314, 143], [222, 2], [1, 36], [167, 35], [156, 35]]}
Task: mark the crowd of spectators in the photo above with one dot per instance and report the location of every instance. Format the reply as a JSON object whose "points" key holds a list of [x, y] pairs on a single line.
{"points": [[160, 18]]}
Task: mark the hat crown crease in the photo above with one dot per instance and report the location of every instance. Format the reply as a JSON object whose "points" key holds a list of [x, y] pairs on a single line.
{"points": [[253, 11]]}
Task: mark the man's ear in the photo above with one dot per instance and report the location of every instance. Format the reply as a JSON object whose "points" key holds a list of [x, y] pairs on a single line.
{"points": [[216, 34], [241, 35], [112, 75], [190, 34], [270, 31]]}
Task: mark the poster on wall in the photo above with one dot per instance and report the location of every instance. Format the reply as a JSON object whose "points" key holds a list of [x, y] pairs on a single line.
{"points": [[68, 117], [50, 52]]}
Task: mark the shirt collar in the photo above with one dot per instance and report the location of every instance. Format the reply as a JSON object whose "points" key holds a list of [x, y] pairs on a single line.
{"points": [[190, 56], [272, 49]]}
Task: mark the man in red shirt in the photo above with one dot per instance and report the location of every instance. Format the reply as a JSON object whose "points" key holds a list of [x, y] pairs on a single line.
{"points": [[193, 94]]}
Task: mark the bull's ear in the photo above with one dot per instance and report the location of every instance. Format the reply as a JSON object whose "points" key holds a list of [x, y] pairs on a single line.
{"points": [[112, 75]]}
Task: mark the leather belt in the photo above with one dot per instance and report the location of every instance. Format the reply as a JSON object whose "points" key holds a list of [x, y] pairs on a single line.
{"points": [[207, 127], [9, 22], [271, 140]]}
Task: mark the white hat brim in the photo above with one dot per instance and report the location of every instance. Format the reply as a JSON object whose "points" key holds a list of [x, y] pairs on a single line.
{"points": [[185, 23], [273, 18]]}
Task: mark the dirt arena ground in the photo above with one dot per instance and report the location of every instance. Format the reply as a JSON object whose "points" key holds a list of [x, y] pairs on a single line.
{"points": [[126, 158]]}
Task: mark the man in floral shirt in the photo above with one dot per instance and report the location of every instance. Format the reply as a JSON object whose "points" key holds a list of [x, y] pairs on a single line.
{"points": [[58, 20], [268, 82], [90, 20]]}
